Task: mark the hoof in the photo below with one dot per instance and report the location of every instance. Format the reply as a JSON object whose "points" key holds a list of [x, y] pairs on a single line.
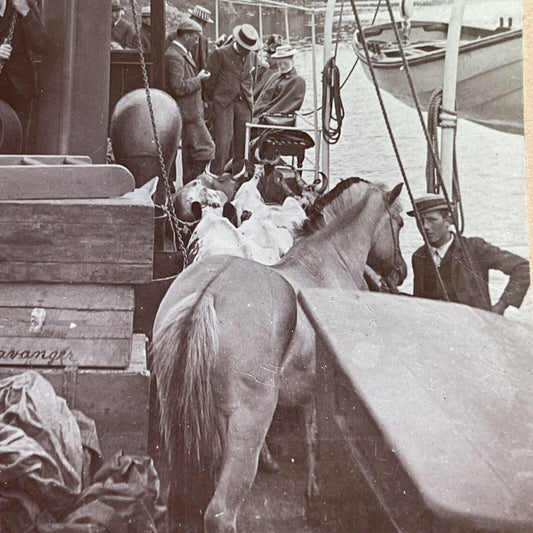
{"points": [[269, 466], [315, 511]]}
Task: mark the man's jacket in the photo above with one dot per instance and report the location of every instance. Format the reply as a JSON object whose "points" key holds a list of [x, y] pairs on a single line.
{"points": [[184, 84], [282, 93], [470, 286], [28, 36], [231, 77]]}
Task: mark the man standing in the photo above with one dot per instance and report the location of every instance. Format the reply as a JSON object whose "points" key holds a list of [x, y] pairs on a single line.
{"points": [[184, 83], [146, 28], [200, 52], [21, 33], [230, 90], [285, 91], [465, 281], [122, 32]]}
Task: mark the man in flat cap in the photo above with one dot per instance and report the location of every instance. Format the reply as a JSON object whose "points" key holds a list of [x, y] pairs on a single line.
{"points": [[465, 282], [184, 83], [201, 50], [230, 90]]}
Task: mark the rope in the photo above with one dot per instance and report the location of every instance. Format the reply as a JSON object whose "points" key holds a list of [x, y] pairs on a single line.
{"points": [[393, 141], [9, 38], [308, 113], [436, 161], [432, 183], [176, 224], [332, 108]]}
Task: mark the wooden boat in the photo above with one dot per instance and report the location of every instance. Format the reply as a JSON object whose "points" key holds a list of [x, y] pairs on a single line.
{"points": [[489, 77]]}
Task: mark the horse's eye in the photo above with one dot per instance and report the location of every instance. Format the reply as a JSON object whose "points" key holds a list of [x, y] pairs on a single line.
{"points": [[215, 205]]}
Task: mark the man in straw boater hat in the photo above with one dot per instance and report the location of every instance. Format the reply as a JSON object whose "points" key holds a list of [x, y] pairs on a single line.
{"points": [[202, 16], [285, 91], [229, 89], [464, 273], [184, 83]]}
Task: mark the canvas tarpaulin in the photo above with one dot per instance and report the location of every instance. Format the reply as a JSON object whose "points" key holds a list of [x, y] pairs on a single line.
{"points": [[51, 473]]}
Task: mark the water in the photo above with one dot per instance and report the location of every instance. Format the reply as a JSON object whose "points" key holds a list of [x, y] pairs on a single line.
{"points": [[491, 164]]}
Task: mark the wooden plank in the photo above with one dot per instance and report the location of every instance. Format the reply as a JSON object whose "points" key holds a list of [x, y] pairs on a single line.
{"points": [[87, 272], [63, 324], [67, 323], [435, 401], [117, 400], [95, 241], [67, 296], [27, 182], [49, 352], [70, 242], [45, 159]]}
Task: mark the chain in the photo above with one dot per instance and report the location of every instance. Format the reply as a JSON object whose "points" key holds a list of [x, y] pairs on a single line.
{"points": [[176, 224], [9, 38]]}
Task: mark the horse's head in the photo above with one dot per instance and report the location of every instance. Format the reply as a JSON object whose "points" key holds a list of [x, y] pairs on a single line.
{"points": [[385, 256]]}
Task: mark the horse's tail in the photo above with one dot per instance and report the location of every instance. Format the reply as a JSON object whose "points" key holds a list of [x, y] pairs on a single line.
{"points": [[185, 346]]}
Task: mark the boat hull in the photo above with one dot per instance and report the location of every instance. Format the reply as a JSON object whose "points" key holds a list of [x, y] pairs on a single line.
{"points": [[489, 76]]}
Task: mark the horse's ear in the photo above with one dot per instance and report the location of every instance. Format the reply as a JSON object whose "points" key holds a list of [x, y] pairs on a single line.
{"points": [[196, 209], [392, 195], [229, 212]]}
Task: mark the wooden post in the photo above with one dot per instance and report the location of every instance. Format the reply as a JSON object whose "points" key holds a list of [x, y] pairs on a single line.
{"points": [[157, 15], [449, 91], [315, 98], [287, 30], [328, 39]]}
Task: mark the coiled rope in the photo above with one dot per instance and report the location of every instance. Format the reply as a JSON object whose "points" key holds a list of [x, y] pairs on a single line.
{"points": [[332, 108]]}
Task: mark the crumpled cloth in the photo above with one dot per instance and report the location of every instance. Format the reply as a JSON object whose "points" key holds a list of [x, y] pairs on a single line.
{"points": [[51, 474]]}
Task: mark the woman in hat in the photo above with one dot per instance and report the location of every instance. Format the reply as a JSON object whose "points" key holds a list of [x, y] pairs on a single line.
{"points": [[230, 91], [285, 91]]}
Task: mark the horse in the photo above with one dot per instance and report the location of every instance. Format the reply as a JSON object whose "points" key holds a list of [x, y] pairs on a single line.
{"points": [[230, 342]]}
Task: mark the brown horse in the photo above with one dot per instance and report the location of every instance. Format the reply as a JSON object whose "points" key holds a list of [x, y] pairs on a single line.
{"points": [[230, 341]]}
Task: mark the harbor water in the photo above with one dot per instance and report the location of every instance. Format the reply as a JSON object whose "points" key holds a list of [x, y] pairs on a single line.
{"points": [[491, 164]]}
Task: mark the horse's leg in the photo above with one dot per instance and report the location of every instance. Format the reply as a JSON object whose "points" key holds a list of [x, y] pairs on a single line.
{"points": [[267, 463], [246, 431], [313, 509]]}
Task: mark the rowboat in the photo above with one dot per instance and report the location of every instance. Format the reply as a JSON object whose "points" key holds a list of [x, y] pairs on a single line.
{"points": [[489, 74]]}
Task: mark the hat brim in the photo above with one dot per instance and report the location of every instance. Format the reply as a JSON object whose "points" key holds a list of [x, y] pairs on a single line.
{"points": [[292, 53], [423, 211], [238, 40], [193, 14]]}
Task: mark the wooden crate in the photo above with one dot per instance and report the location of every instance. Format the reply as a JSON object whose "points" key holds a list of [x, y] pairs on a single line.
{"points": [[117, 400], [51, 324], [77, 240]]}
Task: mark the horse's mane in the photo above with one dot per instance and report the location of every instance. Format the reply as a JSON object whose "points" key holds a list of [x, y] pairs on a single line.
{"points": [[335, 203]]}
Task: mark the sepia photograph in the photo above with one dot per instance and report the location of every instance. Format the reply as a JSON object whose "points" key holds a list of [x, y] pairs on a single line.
{"points": [[264, 266]]}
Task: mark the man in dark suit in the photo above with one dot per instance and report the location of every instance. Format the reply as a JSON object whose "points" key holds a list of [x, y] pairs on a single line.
{"points": [[465, 281], [229, 89], [201, 50], [184, 83], [122, 32], [21, 33]]}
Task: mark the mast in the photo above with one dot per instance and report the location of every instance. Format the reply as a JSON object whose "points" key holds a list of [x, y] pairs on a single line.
{"points": [[449, 121]]}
